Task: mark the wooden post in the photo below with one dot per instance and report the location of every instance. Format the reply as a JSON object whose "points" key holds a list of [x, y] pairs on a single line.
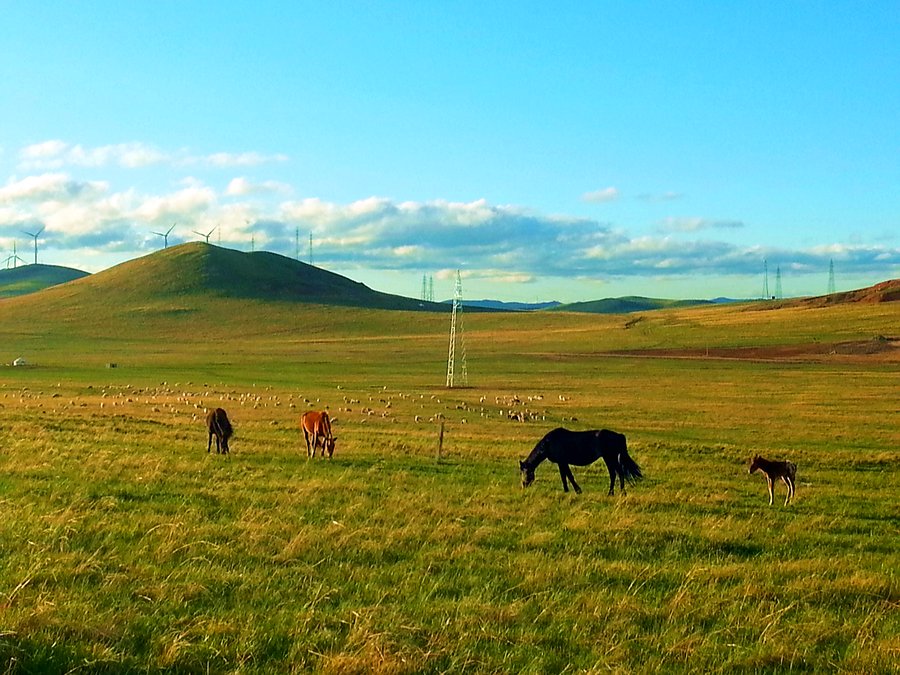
{"points": [[440, 447]]}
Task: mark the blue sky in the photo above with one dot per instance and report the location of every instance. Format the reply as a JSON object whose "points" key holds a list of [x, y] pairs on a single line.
{"points": [[549, 151]]}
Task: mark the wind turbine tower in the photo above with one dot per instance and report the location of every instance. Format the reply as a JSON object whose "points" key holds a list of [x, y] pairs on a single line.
{"points": [[766, 295], [14, 258], [35, 236], [831, 287], [310, 248], [206, 236], [457, 342], [165, 235]]}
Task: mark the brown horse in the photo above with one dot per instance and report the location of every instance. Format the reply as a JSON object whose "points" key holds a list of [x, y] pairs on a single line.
{"points": [[315, 426], [218, 425], [786, 471]]}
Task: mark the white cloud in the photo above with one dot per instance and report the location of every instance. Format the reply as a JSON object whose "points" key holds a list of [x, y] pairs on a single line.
{"points": [[48, 186], [242, 187], [497, 243], [54, 154], [185, 204], [228, 159], [696, 224], [608, 194]]}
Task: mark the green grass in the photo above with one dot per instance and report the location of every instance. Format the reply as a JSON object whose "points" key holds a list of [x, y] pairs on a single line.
{"points": [[124, 547]]}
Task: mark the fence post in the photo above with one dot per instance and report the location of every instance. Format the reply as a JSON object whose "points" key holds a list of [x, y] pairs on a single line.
{"points": [[440, 447]]}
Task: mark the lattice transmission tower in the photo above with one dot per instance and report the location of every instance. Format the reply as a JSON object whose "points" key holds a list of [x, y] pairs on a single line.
{"points": [[778, 294], [765, 294], [457, 342], [831, 287], [427, 288]]}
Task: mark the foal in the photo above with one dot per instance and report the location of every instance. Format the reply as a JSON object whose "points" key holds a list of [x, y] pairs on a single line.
{"points": [[219, 426], [786, 471]]}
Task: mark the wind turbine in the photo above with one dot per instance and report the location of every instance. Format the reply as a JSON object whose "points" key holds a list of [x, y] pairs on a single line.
{"points": [[165, 235], [13, 258], [35, 235], [206, 236]]}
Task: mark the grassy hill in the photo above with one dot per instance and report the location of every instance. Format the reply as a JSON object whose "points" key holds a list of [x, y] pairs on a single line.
{"points": [[32, 278], [626, 305], [195, 279], [198, 269]]}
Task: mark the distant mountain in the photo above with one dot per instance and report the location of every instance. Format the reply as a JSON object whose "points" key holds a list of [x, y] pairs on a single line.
{"points": [[191, 272], [626, 305], [508, 306], [31, 278]]}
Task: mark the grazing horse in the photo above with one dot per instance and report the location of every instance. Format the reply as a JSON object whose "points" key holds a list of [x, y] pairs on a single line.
{"points": [[786, 471], [564, 447], [219, 426], [316, 425]]}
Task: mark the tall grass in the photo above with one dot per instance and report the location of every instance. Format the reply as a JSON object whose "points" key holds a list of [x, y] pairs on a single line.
{"points": [[127, 548]]}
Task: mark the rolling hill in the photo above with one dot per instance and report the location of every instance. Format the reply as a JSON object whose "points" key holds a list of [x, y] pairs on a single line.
{"points": [[626, 305], [189, 273], [32, 278]]}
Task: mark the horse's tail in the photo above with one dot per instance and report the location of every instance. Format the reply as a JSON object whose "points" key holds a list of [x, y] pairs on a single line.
{"points": [[630, 469]]}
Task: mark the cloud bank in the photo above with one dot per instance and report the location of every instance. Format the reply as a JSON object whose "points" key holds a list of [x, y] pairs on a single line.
{"points": [[504, 243]]}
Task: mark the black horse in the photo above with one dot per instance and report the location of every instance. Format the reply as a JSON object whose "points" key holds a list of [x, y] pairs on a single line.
{"points": [[219, 426], [564, 447]]}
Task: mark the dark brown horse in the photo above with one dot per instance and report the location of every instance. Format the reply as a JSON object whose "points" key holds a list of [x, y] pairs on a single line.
{"points": [[564, 447], [218, 425], [316, 425], [786, 471]]}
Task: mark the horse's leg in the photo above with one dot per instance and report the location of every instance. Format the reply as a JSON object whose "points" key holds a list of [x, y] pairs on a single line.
{"points": [[562, 474], [790, 490], [306, 437], [572, 480], [612, 478], [771, 487], [209, 442]]}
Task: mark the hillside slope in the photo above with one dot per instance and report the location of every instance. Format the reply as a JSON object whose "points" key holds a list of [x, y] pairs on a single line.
{"points": [[626, 305], [886, 291], [189, 273], [32, 278]]}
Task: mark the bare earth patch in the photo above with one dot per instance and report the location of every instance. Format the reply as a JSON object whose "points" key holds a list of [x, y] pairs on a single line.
{"points": [[880, 349]]}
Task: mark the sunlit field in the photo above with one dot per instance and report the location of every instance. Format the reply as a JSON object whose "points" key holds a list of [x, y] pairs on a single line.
{"points": [[127, 548]]}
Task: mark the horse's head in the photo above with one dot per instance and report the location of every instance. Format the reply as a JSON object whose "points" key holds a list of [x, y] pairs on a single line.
{"points": [[527, 474], [754, 464], [328, 445]]}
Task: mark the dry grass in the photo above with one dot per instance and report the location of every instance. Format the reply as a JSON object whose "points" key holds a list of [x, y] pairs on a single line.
{"points": [[126, 548]]}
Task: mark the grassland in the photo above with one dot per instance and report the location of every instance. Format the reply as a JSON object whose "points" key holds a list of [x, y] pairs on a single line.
{"points": [[126, 548]]}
